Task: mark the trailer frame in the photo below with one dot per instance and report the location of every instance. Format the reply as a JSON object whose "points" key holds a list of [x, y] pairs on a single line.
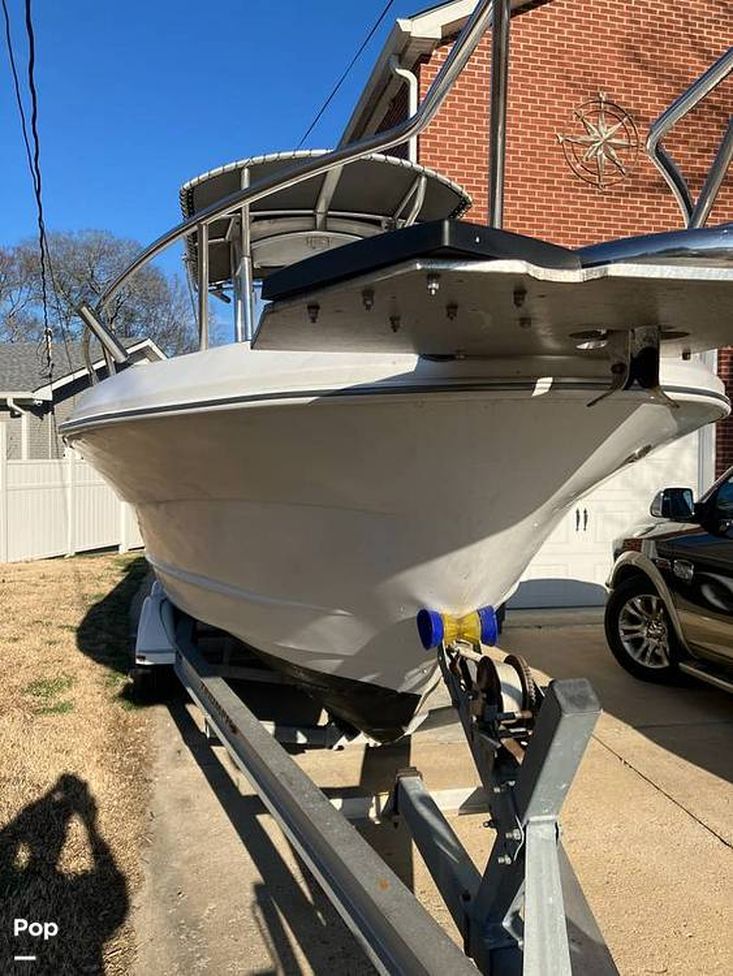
{"points": [[525, 914]]}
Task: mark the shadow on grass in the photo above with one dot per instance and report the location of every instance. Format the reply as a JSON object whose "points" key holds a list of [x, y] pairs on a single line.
{"points": [[87, 904], [104, 635]]}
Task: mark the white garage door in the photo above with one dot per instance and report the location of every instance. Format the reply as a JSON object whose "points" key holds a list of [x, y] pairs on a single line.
{"points": [[572, 566]]}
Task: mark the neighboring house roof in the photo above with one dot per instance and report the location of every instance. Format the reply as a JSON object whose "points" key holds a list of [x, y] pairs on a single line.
{"points": [[409, 39], [23, 373]]}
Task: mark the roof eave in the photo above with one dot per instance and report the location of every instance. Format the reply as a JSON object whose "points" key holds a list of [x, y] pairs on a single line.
{"points": [[409, 39], [444, 19], [374, 90], [45, 392], [21, 395]]}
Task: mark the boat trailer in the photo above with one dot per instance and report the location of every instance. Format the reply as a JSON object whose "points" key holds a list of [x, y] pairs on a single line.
{"points": [[526, 913]]}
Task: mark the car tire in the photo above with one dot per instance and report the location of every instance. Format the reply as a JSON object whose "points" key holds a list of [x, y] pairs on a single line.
{"points": [[640, 633]]}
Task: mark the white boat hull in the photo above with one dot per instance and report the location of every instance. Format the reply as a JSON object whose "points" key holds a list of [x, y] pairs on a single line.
{"points": [[314, 524]]}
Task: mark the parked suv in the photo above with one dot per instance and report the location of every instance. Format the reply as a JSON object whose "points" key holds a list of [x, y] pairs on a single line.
{"points": [[670, 606]]}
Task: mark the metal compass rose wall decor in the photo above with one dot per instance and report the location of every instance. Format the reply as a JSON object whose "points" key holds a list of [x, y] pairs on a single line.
{"points": [[604, 147]]}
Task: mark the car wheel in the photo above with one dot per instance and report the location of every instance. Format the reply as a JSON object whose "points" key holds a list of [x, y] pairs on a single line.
{"points": [[639, 631]]}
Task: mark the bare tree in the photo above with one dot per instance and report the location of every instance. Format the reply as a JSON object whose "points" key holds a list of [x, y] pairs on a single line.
{"points": [[152, 304], [17, 290]]}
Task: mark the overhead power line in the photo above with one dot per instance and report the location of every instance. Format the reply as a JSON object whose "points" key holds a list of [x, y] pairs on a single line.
{"points": [[345, 74], [37, 182], [33, 157], [16, 85]]}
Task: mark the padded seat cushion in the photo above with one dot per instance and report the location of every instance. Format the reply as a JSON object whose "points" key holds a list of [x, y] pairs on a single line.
{"points": [[436, 239]]}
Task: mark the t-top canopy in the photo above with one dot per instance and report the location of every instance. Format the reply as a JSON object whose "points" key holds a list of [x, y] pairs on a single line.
{"points": [[365, 198]]}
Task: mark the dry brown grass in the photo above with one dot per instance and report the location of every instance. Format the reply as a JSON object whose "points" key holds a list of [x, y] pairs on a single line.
{"points": [[73, 762]]}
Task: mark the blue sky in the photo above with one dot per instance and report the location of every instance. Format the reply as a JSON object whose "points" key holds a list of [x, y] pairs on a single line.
{"points": [[137, 97]]}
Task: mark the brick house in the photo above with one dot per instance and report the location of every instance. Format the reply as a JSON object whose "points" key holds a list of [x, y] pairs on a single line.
{"points": [[570, 59], [27, 397]]}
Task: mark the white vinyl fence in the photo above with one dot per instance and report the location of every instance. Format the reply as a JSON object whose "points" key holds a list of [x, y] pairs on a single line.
{"points": [[57, 508]]}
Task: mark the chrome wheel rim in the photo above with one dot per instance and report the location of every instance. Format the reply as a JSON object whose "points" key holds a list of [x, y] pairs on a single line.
{"points": [[643, 630]]}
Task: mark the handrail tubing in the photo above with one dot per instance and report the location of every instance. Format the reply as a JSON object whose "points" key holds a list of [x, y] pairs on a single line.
{"points": [[465, 45], [659, 129]]}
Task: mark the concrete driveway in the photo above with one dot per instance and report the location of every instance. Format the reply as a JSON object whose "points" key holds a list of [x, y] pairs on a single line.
{"points": [[648, 826]]}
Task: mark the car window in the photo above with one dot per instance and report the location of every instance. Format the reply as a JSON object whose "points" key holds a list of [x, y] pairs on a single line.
{"points": [[724, 498]]}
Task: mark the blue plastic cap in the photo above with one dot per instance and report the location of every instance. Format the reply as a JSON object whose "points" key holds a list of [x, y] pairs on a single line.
{"points": [[430, 628], [489, 625]]}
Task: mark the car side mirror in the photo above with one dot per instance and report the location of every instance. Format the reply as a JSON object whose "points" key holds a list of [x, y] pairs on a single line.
{"points": [[674, 503]]}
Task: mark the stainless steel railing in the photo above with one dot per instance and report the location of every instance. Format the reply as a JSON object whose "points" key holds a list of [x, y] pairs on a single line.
{"points": [[454, 64], [695, 213]]}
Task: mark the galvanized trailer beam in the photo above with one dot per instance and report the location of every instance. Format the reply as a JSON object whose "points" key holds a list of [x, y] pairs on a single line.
{"points": [[396, 932], [452, 869], [528, 913], [516, 917]]}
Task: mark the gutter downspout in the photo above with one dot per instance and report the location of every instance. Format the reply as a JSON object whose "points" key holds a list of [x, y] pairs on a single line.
{"points": [[24, 414], [412, 99], [331, 181]]}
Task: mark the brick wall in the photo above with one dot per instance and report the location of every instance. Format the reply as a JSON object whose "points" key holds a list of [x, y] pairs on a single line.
{"points": [[397, 112], [641, 54]]}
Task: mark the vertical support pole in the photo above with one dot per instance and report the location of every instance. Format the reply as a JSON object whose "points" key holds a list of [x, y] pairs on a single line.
{"points": [[714, 180], [706, 436], [68, 488], [24, 436], [413, 99], [111, 369], [546, 946], [245, 269], [203, 284], [499, 85], [526, 816], [3, 493], [235, 261]]}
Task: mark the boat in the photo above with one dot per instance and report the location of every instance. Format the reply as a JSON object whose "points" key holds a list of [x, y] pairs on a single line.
{"points": [[421, 402]]}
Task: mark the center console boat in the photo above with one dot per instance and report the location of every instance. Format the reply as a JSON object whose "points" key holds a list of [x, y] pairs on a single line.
{"points": [[419, 404]]}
